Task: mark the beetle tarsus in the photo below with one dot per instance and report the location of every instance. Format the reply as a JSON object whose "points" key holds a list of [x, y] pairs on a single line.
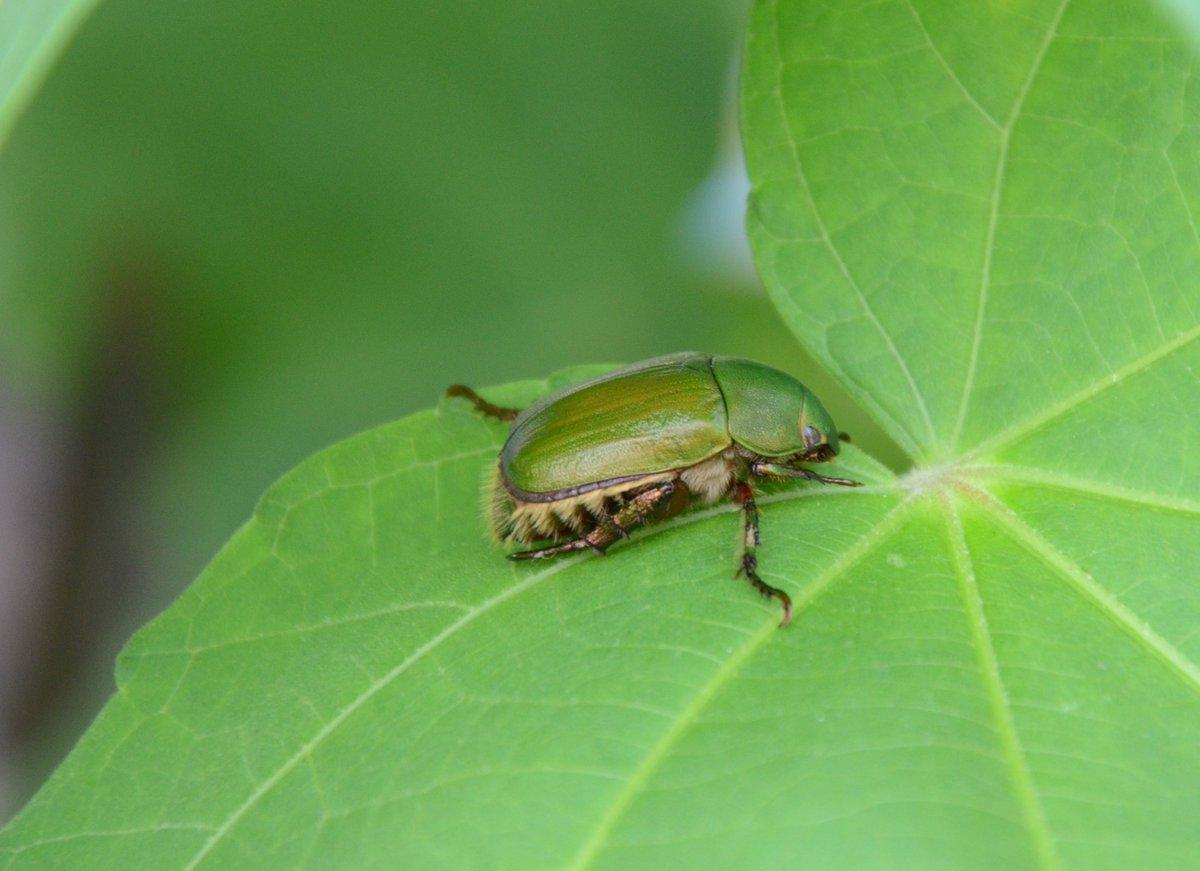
{"points": [[749, 563], [499, 412], [746, 569]]}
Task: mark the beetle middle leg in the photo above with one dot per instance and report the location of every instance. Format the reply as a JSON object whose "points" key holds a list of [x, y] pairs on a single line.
{"points": [[610, 527], [751, 538], [499, 412]]}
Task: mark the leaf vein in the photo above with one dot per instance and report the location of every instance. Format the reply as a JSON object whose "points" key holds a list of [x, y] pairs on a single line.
{"points": [[1035, 421], [371, 691], [1005, 724], [989, 244], [829, 244], [1028, 475], [941, 58], [721, 677], [1090, 589]]}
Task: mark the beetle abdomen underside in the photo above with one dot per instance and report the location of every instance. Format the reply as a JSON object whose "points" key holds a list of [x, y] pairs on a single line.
{"points": [[513, 519]]}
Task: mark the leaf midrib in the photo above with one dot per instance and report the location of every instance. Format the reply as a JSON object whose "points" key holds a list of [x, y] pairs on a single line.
{"points": [[1023, 784], [38, 66]]}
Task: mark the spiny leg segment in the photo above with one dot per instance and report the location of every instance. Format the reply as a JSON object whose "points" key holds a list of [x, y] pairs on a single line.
{"points": [[497, 411], [751, 538], [762, 469], [610, 526]]}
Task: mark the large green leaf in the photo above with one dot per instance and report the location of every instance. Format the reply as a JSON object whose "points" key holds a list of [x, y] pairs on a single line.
{"points": [[32, 33], [980, 218], [360, 676]]}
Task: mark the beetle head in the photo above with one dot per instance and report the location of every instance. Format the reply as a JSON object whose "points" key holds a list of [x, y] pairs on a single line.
{"points": [[773, 414], [817, 431]]}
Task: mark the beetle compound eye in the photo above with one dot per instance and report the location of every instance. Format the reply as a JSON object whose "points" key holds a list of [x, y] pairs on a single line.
{"points": [[812, 438]]}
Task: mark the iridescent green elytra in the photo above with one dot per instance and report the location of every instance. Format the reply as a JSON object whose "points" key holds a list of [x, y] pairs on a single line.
{"points": [[587, 464]]}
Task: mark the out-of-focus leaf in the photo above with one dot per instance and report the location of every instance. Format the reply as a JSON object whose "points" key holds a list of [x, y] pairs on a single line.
{"points": [[32, 33]]}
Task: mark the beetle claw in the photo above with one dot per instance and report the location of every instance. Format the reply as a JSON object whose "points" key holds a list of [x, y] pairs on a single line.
{"points": [[749, 564], [786, 601]]}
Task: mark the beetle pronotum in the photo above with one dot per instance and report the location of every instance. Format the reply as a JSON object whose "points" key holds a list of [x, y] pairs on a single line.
{"points": [[584, 466]]}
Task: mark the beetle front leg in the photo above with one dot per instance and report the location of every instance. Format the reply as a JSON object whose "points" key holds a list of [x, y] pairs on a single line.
{"points": [[499, 412], [762, 469], [750, 540], [610, 527], [582, 543]]}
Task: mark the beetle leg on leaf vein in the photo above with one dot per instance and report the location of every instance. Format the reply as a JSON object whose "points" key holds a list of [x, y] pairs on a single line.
{"points": [[497, 411], [742, 494], [610, 527], [778, 470]]}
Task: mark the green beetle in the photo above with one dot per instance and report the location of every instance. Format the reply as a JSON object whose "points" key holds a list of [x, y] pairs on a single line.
{"points": [[583, 466]]}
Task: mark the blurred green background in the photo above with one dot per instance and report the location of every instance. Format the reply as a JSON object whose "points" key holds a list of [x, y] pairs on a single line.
{"points": [[232, 233]]}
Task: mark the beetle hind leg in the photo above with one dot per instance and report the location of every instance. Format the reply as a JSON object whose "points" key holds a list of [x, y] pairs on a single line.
{"points": [[751, 538], [499, 412]]}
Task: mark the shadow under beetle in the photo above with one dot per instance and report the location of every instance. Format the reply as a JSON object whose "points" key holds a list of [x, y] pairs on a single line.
{"points": [[584, 466]]}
